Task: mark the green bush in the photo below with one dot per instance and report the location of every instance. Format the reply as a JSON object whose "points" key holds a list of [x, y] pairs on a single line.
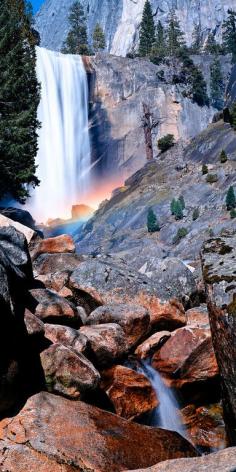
{"points": [[233, 213], [195, 214], [223, 157], [182, 202], [152, 223], [178, 211], [212, 178], [204, 169], [181, 233], [166, 142], [230, 199]]}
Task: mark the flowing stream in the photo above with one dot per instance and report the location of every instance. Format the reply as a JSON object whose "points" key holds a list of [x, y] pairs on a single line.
{"points": [[64, 159], [166, 415]]}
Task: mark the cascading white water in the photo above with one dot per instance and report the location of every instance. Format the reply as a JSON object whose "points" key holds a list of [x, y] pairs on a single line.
{"points": [[63, 158], [167, 414]]}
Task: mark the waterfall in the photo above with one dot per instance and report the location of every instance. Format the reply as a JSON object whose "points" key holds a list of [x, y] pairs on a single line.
{"points": [[63, 157], [166, 415]]}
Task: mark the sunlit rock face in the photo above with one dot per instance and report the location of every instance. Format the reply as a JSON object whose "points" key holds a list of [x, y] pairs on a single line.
{"points": [[121, 19]]}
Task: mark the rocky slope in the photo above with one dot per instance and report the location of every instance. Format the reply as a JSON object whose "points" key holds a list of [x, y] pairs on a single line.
{"points": [[118, 89], [121, 19]]}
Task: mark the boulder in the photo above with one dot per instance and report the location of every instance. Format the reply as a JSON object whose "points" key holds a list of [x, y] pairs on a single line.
{"points": [[59, 244], [168, 315], [152, 344], [34, 326], [205, 426], [53, 263], [198, 317], [51, 308], [67, 373], [223, 461], [218, 263], [134, 320], [29, 233], [107, 342], [55, 282], [130, 392], [67, 336], [88, 439], [19, 215]]}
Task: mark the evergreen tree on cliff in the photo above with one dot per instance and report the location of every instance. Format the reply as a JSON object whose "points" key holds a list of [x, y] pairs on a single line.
{"points": [[159, 47], [229, 34], [99, 41], [147, 31], [217, 85], [77, 38], [19, 99], [175, 37]]}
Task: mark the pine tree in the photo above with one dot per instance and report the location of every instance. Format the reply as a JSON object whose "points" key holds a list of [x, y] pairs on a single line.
{"points": [[197, 39], [182, 202], [173, 206], [223, 157], [159, 47], [19, 99], [147, 31], [230, 199], [217, 85], [152, 223], [198, 90], [196, 214], [211, 46], [204, 169], [229, 34], [77, 38], [178, 210], [175, 37], [99, 41]]}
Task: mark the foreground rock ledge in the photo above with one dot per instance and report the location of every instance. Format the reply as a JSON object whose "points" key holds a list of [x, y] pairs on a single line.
{"points": [[84, 438]]}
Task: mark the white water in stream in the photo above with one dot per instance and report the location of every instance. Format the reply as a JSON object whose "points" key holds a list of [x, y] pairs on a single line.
{"points": [[64, 150], [166, 415]]}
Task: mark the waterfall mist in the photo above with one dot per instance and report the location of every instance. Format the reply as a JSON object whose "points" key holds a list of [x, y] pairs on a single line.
{"points": [[63, 159]]}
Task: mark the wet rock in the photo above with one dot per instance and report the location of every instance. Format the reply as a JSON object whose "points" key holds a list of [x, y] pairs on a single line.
{"points": [[51, 308], [107, 341], [152, 344], [34, 326], [59, 244], [134, 320], [130, 392], [205, 426], [67, 336], [68, 373], [223, 461], [85, 437], [218, 263]]}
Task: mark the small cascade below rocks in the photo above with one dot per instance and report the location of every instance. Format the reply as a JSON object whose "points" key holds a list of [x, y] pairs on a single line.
{"points": [[166, 415], [64, 159]]}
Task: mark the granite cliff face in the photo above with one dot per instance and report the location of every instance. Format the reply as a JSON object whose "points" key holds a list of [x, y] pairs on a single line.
{"points": [[119, 88], [121, 19]]}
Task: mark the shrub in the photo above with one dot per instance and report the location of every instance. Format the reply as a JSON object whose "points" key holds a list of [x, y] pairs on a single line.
{"points": [[233, 213], [223, 157], [212, 178], [204, 169], [230, 199], [173, 206], [178, 210], [181, 233], [152, 223], [195, 214], [182, 202], [166, 142]]}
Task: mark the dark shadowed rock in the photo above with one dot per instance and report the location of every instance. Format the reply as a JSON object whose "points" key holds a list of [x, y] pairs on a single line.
{"points": [[130, 392], [218, 262], [107, 341], [67, 373], [134, 320], [51, 308], [88, 438]]}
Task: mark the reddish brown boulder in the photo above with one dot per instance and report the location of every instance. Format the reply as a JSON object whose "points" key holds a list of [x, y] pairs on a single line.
{"points": [[59, 244], [56, 281], [168, 316], [198, 317], [223, 461], [67, 336], [130, 392], [34, 326], [88, 438], [67, 373], [205, 426], [51, 308], [177, 349], [107, 342], [152, 344], [134, 320]]}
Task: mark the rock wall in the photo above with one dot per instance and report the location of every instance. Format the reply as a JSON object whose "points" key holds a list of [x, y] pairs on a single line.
{"points": [[119, 88], [121, 19]]}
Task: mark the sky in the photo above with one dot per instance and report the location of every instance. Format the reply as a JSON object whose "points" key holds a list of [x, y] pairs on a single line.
{"points": [[36, 4]]}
